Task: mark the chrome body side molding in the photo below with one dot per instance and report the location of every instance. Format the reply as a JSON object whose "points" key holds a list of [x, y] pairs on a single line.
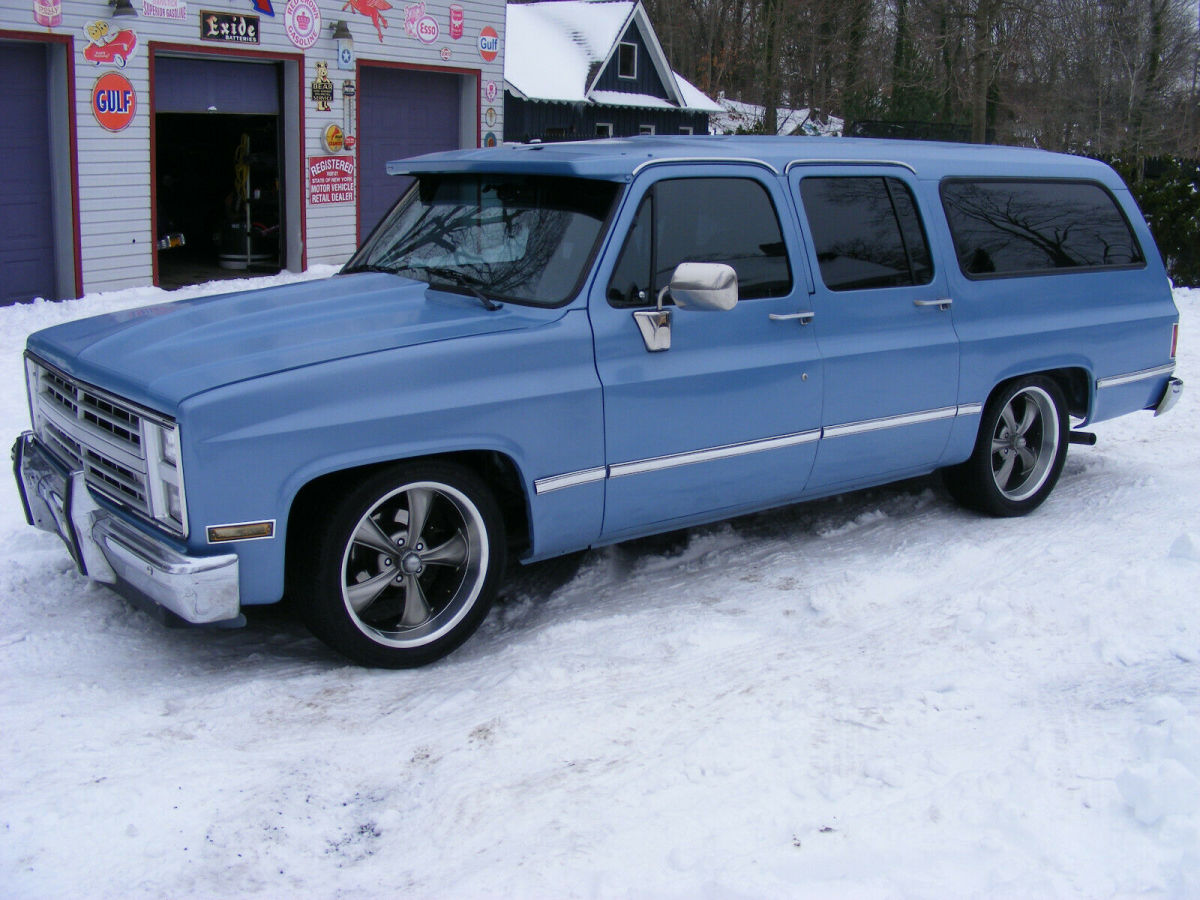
{"points": [[1130, 377]]}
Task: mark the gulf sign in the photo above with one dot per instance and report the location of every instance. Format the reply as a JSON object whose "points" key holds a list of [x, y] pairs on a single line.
{"points": [[489, 43], [113, 101]]}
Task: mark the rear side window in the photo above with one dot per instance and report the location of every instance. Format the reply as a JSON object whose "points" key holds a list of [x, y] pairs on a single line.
{"points": [[716, 220], [1013, 227], [867, 232]]}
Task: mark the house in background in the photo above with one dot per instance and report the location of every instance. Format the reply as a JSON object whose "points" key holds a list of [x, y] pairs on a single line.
{"points": [[579, 69]]}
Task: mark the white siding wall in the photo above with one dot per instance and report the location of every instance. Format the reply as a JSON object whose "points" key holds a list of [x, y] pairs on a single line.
{"points": [[114, 167]]}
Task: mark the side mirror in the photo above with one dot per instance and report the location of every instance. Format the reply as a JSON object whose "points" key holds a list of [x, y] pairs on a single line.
{"points": [[694, 285], [704, 286]]}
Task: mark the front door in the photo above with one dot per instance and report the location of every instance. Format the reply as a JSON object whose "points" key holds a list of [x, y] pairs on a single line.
{"points": [[727, 419]]}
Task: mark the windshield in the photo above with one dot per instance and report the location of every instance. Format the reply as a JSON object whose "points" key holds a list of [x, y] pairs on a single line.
{"points": [[522, 238]]}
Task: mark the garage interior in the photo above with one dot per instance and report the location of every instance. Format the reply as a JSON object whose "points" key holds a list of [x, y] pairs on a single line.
{"points": [[218, 178]]}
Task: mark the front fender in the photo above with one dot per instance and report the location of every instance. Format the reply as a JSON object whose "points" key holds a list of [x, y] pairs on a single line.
{"points": [[532, 395]]}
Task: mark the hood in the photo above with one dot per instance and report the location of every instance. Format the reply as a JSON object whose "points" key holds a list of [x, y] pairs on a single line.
{"points": [[160, 355]]}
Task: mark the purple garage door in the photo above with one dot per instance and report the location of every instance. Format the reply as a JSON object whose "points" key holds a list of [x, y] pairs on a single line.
{"points": [[26, 225], [187, 85], [400, 113]]}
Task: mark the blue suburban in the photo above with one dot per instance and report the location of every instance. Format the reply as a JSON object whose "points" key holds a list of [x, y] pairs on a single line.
{"points": [[553, 347]]}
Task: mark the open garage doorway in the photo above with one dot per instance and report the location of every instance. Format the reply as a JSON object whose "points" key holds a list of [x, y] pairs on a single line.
{"points": [[218, 170]]}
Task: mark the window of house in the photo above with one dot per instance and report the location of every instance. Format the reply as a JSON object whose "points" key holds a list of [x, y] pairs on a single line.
{"points": [[687, 220], [604, 129], [685, 129], [1014, 227], [645, 129], [867, 232], [627, 60]]}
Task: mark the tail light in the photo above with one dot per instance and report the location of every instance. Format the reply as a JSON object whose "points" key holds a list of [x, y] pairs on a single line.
{"points": [[1174, 338]]}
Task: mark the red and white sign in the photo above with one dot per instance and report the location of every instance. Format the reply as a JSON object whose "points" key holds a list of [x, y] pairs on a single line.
{"points": [[457, 18], [47, 13], [489, 43], [330, 179], [302, 22], [113, 101]]}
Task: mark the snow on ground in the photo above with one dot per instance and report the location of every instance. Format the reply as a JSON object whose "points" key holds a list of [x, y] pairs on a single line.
{"points": [[872, 696]]}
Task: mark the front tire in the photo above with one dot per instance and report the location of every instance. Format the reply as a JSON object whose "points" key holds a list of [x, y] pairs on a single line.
{"points": [[407, 566], [1020, 451]]}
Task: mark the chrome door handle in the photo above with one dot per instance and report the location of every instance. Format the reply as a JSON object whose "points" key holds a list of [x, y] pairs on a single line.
{"points": [[804, 317], [943, 303]]}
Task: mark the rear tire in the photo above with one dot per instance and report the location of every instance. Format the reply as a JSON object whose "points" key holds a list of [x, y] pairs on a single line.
{"points": [[405, 568], [1020, 451]]}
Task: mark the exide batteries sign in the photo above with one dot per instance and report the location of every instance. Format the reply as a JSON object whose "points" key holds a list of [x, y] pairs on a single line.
{"points": [[113, 101]]}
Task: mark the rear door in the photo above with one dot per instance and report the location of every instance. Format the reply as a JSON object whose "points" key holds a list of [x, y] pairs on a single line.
{"points": [[883, 325]]}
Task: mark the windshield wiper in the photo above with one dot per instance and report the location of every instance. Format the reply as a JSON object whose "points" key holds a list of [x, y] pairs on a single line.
{"points": [[455, 279]]}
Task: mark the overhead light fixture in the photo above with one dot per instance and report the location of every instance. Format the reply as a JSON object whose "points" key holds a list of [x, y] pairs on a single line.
{"points": [[345, 44], [121, 8]]}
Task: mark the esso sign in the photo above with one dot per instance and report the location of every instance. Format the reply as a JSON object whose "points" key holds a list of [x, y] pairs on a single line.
{"points": [[427, 30], [489, 43]]}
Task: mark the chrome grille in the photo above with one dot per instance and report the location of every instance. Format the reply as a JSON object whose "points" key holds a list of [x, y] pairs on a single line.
{"points": [[90, 406], [108, 438]]}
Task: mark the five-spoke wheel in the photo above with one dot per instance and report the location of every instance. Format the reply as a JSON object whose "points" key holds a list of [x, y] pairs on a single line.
{"points": [[1020, 450], [408, 566]]}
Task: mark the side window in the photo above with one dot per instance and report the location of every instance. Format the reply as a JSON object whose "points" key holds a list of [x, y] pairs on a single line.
{"points": [[631, 283], [718, 220], [867, 231], [1012, 227]]}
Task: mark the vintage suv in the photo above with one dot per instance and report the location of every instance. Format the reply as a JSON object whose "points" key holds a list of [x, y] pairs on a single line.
{"points": [[553, 347]]}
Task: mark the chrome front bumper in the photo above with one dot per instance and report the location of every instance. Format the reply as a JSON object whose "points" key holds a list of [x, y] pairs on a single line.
{"points": [[106, 548]]}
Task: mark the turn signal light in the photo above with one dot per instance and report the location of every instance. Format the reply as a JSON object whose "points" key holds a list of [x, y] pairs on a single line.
{"points": [[1174, 338], [245, 531]]}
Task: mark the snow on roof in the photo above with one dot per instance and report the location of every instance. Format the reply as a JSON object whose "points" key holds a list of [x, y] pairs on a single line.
{"points": [[620, 98], [735, 114], [552, 48], [694, 98]]}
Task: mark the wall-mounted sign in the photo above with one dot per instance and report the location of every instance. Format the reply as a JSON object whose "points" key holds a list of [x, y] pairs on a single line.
{"points": [[47, 13], [330, 179], [490, 117], [174, 10], [491, 92], [322, 88], [302, 22], [333, 139], [108, 49], [489, 140], [228, 28], [113, 101], [264, 7], [419, 24], [489, 43], [373, 10], [349, 89], [457, 19], [445, 54]]}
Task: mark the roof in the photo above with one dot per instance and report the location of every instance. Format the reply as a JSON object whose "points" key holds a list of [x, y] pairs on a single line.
{"points": [[556, 50], [620, 158]]}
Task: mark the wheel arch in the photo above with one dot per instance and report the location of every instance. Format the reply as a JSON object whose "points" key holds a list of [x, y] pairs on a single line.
{"points": [[1075, 381], [498, 470]]}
